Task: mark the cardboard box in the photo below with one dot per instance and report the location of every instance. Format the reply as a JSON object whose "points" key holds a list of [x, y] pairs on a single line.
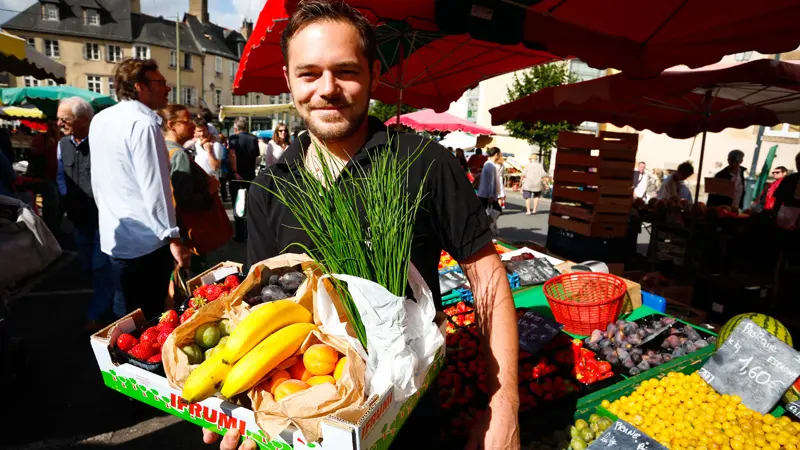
{"points": [[374, 431], [198, 281], [719, 186]]}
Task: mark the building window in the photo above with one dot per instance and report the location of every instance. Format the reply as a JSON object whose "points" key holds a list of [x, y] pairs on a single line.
{"points": [[171, 95], [258, 99], [218, 65], [31, 42], [30, 81], [141, 52], [114, 53], [51, 49], [173, 59], [188, 96], [784, 130], [219, 97], [50, 11], [234, 68], [52, 83], [187, 61], [111, 91], [93, 84], [91, 51], [91, 16]]}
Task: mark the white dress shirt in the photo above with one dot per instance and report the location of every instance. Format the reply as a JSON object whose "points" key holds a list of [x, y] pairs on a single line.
{"points": [[202, 160], [130, 180], [274, 152]]}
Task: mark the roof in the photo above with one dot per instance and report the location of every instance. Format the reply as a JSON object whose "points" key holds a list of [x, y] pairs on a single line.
{"points": [[214, 39], [159, 31], [115, 20]]}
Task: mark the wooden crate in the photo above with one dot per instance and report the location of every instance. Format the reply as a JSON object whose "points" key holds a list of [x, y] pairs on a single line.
{"points": [[593, 187]]}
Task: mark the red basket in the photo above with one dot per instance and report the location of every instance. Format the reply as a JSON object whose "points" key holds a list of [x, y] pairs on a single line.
{"points": [[585, 301]]}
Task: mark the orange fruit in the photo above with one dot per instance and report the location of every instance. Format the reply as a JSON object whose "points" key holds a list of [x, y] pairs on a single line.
{"points": [[341, 366], [320, 359], [288, 363], [299, 372], [320, 379], [276, 379], [289, 387]]}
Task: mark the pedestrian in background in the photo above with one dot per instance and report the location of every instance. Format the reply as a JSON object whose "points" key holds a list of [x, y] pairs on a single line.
{"points": [[640, 181], [75, 186], [532, 183], [735, 173], [242, 152], [278, 144], [675, 184], [208, 151], [131, 184]]}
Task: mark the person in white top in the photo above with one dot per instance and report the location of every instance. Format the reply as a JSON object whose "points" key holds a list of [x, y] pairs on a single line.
{"points": [[500, 166], [532, 185], [640, 180], [277, 145], [131, 186], [208, 152], [489, 187]]}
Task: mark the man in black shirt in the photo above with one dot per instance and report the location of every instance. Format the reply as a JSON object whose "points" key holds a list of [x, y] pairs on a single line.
{"points": [[242, 154]]}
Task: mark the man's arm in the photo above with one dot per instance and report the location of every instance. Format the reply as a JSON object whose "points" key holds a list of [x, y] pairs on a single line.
{"points": [[497, 323], [232, 162]]}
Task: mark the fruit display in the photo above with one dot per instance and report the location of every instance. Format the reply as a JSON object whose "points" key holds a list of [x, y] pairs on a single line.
{"points": [[459, 315], [446, 261], [234, 359], [634, 347], [682, 411], [682, 212], [586, 368], [319, 364], [576, 437], [768, 323], [207, 293], [146, 348], [281, 284]]}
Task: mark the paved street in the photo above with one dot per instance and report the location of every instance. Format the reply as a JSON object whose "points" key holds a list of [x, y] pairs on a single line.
{"points": [[58, 399]]}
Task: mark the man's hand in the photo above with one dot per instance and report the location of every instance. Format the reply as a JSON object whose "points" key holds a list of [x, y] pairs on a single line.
{"points": [[229, 442], [213, 185], [496, 430], [180, 253]]}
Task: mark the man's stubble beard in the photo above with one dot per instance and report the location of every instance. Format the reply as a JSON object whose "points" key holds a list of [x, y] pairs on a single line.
{"points": [[336, 134]]}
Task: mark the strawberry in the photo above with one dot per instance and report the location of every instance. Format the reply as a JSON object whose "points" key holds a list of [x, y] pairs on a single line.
{"points": [[169, 319], [155, 358], [200, 292], [164, 334], [149, 336], [187, 314], [213, 292], [231, 282], [126, 341], [142, 351], [197, 302]]}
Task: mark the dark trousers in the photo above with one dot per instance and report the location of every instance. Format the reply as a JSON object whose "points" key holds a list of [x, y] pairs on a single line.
{"points": [[239, 223], [142, 282], [98, 264]]}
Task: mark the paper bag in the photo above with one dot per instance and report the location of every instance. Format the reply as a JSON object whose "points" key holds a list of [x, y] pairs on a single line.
{"points": [[307, 409], [402, 337], [259, 273]]}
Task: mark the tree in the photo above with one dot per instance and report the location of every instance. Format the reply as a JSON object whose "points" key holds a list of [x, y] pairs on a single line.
{"points": [[385, 111], [542, 134]]}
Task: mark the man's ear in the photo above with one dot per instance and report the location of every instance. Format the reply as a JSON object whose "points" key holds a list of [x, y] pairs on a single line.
{"points": [[376, 76]]}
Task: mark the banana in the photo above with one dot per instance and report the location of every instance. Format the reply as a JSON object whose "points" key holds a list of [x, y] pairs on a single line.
{"points": [[261, 323], [206, 379], [273, 350]]}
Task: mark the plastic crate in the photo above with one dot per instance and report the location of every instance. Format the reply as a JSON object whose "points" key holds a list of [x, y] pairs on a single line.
{"points": [[466, 295], [455, 268], [452, 298], [513, 280]]}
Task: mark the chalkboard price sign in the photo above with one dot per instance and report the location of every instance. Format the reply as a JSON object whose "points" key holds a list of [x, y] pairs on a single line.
{"points": [[754, 365], [536, 331], [532, 271], [624, 436], [794, 408]]}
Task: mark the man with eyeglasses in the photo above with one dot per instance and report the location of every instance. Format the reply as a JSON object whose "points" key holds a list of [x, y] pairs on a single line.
{"points": [[131, 184], [768, 196]]}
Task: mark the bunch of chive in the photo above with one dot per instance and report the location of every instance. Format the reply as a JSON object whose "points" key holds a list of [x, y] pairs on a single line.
{"points": [[376, 249]]}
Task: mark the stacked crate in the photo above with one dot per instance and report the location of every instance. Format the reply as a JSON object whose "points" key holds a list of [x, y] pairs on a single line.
{"points": [[593, 183]]}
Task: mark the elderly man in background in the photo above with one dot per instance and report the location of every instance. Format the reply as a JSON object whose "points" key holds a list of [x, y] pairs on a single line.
{"points": [[138, 229], [735, 173], [532, 185], [75, 186]]}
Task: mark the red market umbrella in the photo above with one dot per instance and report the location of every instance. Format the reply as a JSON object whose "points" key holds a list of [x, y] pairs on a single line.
{"points": [[422, 67], [638, 37], [679, 103], [429, 120]]}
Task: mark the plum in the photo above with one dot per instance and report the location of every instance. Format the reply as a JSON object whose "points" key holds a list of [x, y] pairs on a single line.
{"points": [[636, 358], [595, 338], [644, 365], [678, 352], [667, 321], [691, 333], [634, 371], [656, 360], [628, 363], [613, 359], [623, 354], [642, 333], [630, 328], [700, 343], [611, 329], [254, 300], [619, 336], [673, 342], [605, 343], [666, 357], [290, 281], [690, 348], [273, 279], [634, 339], [272, 293]]}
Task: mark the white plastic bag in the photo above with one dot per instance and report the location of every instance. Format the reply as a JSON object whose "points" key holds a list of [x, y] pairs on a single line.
{"points": [[402, 338], [239, 203]]}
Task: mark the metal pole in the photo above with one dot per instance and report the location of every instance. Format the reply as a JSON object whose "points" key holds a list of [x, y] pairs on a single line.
{"points": [[700, 169], [759, 139], [177, 60]]}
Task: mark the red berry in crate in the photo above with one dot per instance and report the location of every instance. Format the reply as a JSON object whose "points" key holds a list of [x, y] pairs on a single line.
{"points": [[142, 351], [213, 292], [149, 336], [163, 335], [231, 282], [197, 302], [169, 319], [155, 358], [187, 314], [200, 291], [126, 341]]}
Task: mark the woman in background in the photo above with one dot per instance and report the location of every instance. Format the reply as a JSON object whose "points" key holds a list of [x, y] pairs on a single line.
{"points": [[278, 144]]}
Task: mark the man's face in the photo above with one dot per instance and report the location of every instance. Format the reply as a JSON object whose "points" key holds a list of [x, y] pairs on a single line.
{"points": [[734, 162], [200, 133], [642, 167], [330, 79], [183, 126], [778, 174], [71, 125], [154, 93]]}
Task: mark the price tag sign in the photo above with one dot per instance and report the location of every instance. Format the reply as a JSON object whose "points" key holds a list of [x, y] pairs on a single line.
{"points": [[794, 408], [754, 365], [624, 436], [532, 271], [536, 331]]}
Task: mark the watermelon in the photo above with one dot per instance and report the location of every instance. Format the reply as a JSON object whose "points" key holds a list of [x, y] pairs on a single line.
{"points": [[793, 394], [768, 323]]}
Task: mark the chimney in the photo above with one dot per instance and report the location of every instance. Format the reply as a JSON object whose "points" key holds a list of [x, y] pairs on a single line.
{"points": [[199, 9], [136, 6], [247, 28]]}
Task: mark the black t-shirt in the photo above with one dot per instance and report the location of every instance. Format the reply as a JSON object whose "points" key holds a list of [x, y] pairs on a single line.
{"points": [[246, 147], [785, 194], [450, 218]]}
